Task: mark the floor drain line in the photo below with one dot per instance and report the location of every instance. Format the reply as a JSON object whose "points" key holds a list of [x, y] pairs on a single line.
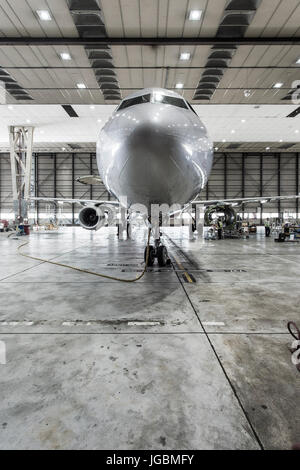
{"points": [[144, 323]]}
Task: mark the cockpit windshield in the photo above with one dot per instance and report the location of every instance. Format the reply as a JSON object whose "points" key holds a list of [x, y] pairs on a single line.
{"points": [[165, 99], [133, 101], [156, 97]]}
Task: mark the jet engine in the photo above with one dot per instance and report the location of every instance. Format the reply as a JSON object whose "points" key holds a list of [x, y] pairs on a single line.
{"points": [[92, 218], [227, 213]]}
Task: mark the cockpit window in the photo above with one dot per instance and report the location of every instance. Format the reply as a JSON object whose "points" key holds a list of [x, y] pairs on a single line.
{"points": [[133, 101], [164, 99]]}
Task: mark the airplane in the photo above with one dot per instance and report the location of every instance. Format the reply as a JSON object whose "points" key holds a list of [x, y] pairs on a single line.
{"points": [[154, 150]]}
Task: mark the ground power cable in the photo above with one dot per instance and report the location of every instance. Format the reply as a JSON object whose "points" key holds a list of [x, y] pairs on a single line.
{"points": [[86, 271]]}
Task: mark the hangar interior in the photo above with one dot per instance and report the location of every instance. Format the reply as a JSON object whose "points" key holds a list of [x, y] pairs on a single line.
{"points": [[195, 354], [234, 175]]}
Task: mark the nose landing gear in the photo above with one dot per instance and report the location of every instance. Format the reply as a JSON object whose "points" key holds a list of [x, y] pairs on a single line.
{"points": [[160, 252]]}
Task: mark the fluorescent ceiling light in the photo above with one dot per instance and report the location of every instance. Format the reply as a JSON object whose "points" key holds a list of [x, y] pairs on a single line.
{"points": [[65, 56], [185, 56], [81, 85], [278, 85], [195, 15], [44, 15], [179, 85]]}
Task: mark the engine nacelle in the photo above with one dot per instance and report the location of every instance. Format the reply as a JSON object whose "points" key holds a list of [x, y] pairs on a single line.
{"points": [[225, 211], [92, 218]]}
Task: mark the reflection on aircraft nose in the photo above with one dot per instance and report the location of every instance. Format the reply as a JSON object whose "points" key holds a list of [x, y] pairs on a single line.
{"points": [[155, 165]]}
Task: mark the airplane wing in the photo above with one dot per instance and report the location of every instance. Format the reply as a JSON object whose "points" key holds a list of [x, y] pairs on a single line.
{"points": [[237, 202], [90, 179], [73, 201]]}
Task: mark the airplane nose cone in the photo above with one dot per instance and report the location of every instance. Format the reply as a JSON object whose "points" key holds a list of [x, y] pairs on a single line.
{"points": [[155, 168]]}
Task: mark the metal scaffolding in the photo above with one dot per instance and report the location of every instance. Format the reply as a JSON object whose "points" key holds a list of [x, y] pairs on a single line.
{"points": [[21, 140]]}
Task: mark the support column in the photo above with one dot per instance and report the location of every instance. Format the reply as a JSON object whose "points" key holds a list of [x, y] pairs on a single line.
{"points": [[243, 182], [73, 188], [297, 185], [0, 186], [225, 176], [279, 183], [54, 186], [261, 188], [36, 185], [20, 139], [200, 212], [91, 173]]}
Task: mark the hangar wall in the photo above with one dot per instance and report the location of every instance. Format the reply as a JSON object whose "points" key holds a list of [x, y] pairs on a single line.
{"points": [[234, 175], [237, 175]]}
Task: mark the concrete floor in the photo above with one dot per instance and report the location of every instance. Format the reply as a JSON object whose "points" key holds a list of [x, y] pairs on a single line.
{"points": [[212, 370]]}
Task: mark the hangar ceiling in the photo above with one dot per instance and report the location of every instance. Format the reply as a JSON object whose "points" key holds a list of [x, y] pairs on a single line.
{"points": [[215, 73]]}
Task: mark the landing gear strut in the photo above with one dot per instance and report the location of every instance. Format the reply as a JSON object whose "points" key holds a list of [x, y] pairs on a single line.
{"points": [[158, 251]]}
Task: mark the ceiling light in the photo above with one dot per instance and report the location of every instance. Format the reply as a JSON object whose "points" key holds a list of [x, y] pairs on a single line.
{"points": [[233, 131], [247, 93], [65, 56], [268, 148], [278, 85], [28, 121], [81, 85], [44, 15], [243, 121], [10, 107], [179, 85], [195, 15], [281, 141], [224, 140], [99, 120], [92, 107], [185, 56]]}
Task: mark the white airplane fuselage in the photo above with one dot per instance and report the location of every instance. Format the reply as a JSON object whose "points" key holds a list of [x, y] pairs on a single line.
{"points": [[154, 150]]}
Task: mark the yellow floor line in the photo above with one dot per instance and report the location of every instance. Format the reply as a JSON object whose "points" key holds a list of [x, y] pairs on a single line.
{"points": [[188, 277]]}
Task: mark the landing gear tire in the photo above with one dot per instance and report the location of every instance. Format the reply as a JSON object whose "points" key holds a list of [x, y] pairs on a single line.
{"points": [[162, 256], [151, 257]]}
